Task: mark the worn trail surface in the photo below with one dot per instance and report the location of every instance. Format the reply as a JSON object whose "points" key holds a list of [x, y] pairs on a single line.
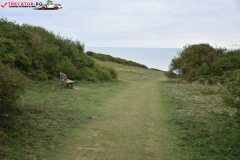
{"points": [[132, 126]]}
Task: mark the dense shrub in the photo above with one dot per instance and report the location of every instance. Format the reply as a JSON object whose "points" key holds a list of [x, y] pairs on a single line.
{"points": [[102, 73], [39, 75], [204, 63], [221, 68], [12, 54], [229, 61], [12, 84], [41, 55], [231, 93], [191, 59]]}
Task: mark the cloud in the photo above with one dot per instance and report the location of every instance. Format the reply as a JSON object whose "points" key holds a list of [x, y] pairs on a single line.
{"points": [[138, 23]]}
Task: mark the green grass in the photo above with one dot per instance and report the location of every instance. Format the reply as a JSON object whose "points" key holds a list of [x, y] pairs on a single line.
{"points": [[205, 129], [134, 125], [48, 113], [54, 123], [140, 116]]}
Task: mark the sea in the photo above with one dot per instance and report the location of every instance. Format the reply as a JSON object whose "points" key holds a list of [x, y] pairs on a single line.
{"points": [[158, 58]]}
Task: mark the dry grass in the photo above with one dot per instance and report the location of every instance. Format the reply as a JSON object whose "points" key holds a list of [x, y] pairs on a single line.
{"points": [[203, 97]]}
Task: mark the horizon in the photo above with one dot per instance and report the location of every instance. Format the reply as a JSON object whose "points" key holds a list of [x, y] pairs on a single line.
{"points": [[158, 58], [234, 47]]}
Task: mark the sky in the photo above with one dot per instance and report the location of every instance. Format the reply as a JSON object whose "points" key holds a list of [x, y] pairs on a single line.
{"points": [[138, 23]]}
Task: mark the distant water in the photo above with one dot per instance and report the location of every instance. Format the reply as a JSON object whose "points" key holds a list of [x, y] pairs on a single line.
{"points": [[159, 58]]}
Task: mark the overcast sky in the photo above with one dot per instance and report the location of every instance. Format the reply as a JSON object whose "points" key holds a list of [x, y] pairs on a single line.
{"points": [[138, 23]]}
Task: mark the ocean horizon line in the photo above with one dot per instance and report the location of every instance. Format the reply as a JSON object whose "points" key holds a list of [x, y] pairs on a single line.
{"points": [[158, 58], [137, 47]]}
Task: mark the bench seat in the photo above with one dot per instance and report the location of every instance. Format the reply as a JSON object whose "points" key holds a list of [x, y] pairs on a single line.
{"points": [[65, 81]]}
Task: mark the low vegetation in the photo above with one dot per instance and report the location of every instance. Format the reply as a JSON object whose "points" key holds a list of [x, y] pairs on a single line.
{"points": [[104, 57], [207, 116], [205, 127], [231, 93], [47, 114], [29, 55], [203, 63], [12, 86]]}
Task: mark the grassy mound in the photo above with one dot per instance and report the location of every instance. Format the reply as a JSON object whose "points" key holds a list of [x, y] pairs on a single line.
{"points": [[104, 57]]}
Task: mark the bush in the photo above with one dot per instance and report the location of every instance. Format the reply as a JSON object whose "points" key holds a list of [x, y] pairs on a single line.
{"points": [[231, 93], [39, 75], [112, 72], [12, 85], [170, 74], [67, 67], [191, 59], [103, 74], [202, 61], [41, 55], [10, 53]]}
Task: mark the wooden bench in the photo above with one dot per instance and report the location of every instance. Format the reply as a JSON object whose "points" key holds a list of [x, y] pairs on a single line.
{"points": [[65, 81]]}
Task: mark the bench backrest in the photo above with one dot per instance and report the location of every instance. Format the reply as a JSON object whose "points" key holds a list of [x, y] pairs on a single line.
{"points": [[63, 78]]}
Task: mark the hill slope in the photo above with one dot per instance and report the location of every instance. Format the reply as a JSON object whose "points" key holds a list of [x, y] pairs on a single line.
{"points": [[104, 57], [40, 54]]}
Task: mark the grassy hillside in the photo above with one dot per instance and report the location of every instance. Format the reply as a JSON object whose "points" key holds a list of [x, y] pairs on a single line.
{"points": [[104, 57]]}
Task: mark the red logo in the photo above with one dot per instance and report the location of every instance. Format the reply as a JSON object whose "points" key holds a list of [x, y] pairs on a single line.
{"points": [[36, 6], [4, 5]]}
